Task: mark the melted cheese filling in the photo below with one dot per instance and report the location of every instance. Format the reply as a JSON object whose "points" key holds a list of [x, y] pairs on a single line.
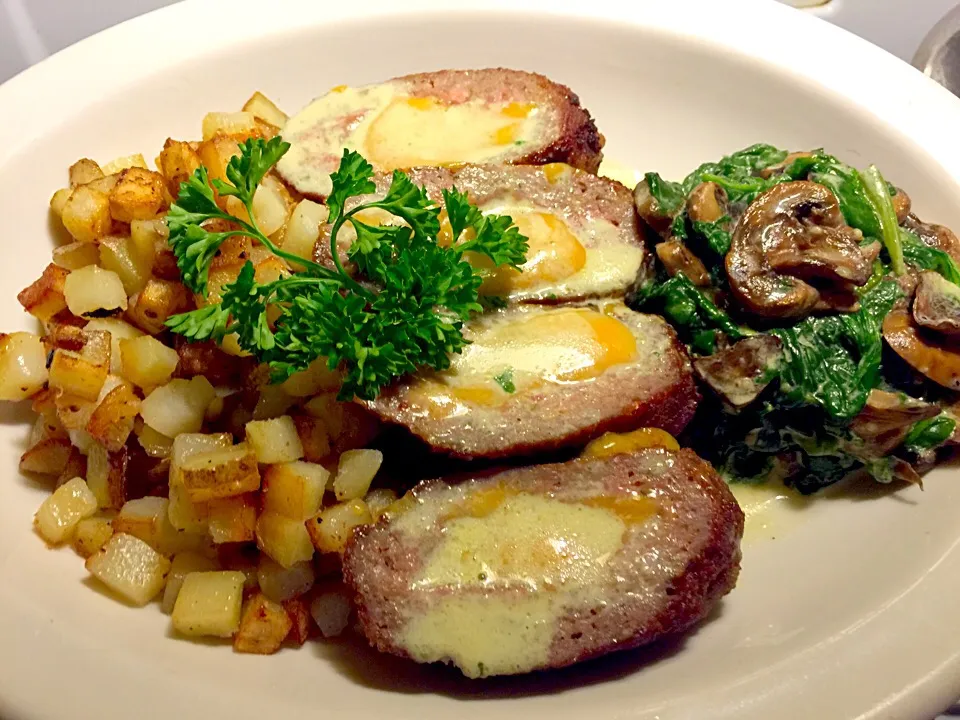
{"points": [[540, 553], [556, 346], [619, 443]]}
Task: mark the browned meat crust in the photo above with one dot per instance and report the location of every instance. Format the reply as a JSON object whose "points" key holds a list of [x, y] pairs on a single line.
{"points": [[657, 390], [676, 567]]}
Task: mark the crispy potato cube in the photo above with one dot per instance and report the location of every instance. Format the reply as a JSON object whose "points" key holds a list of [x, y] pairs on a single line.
{"points": [[184, 563], [123, 162], [145, 236], [209, 603], [148, 519], [233, 519], [76, 467], [47, 457], [263, 626], [187, 445], [82, 373], [284, 539], [119, 330], [86, 214], [220, 473], [228, 123], [46, 428], [91, 534], [330, 529], [331, 610], [93, 290], [147, 362], [355, 472], [112, 422], [299, 612], [131, 568], [282, 584], [107, 475], [44, 298], [274, 441], [57, 518], [59, 201], [315, 379], [178, 407], [271, 206], [262, 107], [294, 490], [155, 444], [84, 171], [23, 366], [159, 299], [76, 255], [177, 162], [186, 515], [138, 195], [215, 154], [273, 403], [105, 184], [379, 500], [118, 255], [304, 227], [74, 413], [314, 437]]}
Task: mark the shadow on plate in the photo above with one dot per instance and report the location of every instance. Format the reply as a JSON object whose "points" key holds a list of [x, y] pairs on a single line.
{"points": [[355, 659]]}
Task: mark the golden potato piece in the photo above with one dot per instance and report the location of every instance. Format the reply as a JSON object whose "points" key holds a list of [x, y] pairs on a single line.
{"points": [[112, 422], [263, 626], [44, 298], [138, 195]]}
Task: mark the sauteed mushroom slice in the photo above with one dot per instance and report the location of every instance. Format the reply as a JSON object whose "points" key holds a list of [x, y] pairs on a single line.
{"points": [[936, 304], [740, 373], [901, 205], [707, 203], [650, 211], [887, 418], [937, 358], [677, 258], [936, 236], [791, 235], [781, 166]]}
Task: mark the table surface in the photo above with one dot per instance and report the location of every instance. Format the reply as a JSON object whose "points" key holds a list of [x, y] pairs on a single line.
{"points": [[31, 30]]}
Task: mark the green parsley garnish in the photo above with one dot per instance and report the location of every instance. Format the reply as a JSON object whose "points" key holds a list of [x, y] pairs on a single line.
{"points": [[404, 310], [505, 380]]}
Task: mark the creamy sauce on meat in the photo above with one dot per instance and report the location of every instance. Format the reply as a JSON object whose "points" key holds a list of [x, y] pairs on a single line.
{"points": [[621, 172], [392, 129]]}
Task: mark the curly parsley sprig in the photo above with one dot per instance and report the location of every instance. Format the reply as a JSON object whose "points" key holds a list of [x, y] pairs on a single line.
{"points": [[409, 312]]}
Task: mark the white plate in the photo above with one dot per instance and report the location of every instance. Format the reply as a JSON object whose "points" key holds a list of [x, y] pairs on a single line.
{"points": [[852, 613]]}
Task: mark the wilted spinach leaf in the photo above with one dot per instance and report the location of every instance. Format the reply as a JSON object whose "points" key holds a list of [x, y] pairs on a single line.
{"points": [[930, 433]]}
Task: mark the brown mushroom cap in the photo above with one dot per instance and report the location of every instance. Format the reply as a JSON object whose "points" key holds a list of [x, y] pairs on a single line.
{"points": [[936, 358], [650, 211], [739, 373], [935, 236], [790, 236], [901, 205], [707, 203], [936, 304], [677, 258], [887, 418]]}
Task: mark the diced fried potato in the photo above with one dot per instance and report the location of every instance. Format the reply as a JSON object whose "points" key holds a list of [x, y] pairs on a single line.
{"points": [[177, 407], [274, 441], [177, 162], [123, 162], [107, 475], [76, 255], [184, 563], [299, 613], [220, 473], [294, 489], [148, 519], [93, 290], [209, 604], [119, 330], [146, 235], [84, 171], [44, 298], [331, 609], [86, 214], [91, 534], [74, 412], [159, 299], [147, 362], [76, 467], [330, 529], [215, 154], [233, 519], [188, 445], [241, 557], [105, 184], [303, 229], [263, 626], [283, 539], [57, 518], [46, 428], [273, 403], [282, 584], [59, 200], [314, 437], [112, 422], [131, 568], [379, 500], [315, 379], [327, 408], [155, 444], [355, 472], [138, 195], [186, 515], [259, 105], [271, 205], [228, 123], [118, 255], [47, 457], [205, 358], [43, 402], [23, 366], [82, 373]]}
